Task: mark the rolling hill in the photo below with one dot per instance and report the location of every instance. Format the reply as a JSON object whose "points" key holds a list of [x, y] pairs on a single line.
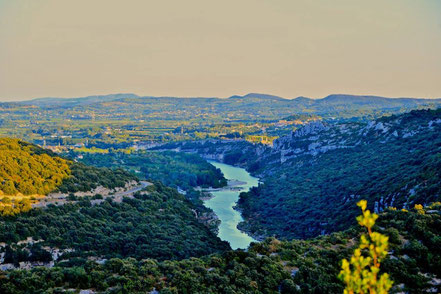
{"points": [[263, 106], [29, 172]]}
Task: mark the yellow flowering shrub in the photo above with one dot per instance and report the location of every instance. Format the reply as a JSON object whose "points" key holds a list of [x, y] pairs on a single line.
{"points": [[419, 208], [360, 274], [435, 204]]}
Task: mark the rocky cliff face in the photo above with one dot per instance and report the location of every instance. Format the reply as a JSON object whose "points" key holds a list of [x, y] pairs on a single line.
{"points": [[310, 141], [318, 137]]}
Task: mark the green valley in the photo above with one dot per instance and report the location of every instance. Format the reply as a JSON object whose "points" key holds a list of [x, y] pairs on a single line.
{"points": [[128, 216], [220, 147]]}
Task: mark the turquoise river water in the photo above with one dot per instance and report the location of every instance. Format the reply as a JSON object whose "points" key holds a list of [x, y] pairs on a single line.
{"points": [[225, 199]]}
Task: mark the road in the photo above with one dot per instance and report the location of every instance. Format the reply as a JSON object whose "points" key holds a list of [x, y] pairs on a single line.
{"points": [[117, 197]]}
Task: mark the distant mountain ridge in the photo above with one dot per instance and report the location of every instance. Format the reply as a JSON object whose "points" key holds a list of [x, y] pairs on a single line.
{"points": [[258, 96], [331, 97], [54, 101], [262, 106]]}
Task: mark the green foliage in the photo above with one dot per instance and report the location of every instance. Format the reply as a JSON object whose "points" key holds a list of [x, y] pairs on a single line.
{"points": [[28, 169], [232, 272], [360, 274], [11, 207], [159, 223], [304, 197], [85, 178], [173, 169], [308, 194], [271, 266]]}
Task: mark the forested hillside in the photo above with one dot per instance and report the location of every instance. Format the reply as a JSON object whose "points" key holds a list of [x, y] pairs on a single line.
{"points": [[320, 173], [313, 177], [28, 173], [29, 169], [298, 266], [156, 223], [85, 178], [173, 169]]}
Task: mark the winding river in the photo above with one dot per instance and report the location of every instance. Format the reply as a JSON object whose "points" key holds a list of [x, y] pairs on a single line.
{"points": [[225, 199]]}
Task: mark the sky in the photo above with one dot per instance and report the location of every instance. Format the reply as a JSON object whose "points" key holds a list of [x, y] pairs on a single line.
{"points": [[195, 48]]}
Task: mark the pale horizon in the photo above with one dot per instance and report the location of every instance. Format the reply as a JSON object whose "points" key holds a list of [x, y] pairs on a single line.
{"points": [[226, 97], [200, 48]]}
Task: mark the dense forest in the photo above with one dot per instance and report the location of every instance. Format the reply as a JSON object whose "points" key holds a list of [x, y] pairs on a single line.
{"points": [[85, 178], [173, 169], [273, 266], [157, 223], [28, 169], [398, 165], [28, 173]]}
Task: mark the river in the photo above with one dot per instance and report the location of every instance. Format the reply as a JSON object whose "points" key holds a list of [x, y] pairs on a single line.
{"points": [[224, 200]]}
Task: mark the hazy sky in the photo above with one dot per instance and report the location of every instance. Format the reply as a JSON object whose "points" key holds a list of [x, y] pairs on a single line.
{"points": [[219, 48]]}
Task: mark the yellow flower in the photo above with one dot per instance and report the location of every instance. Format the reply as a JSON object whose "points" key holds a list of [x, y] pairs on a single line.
{"points": [[362, 204], [360, 273], [419, 209]]}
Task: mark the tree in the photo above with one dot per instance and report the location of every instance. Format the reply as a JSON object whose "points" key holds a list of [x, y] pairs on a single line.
{"points": [[9, 188], [361, 274]]}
